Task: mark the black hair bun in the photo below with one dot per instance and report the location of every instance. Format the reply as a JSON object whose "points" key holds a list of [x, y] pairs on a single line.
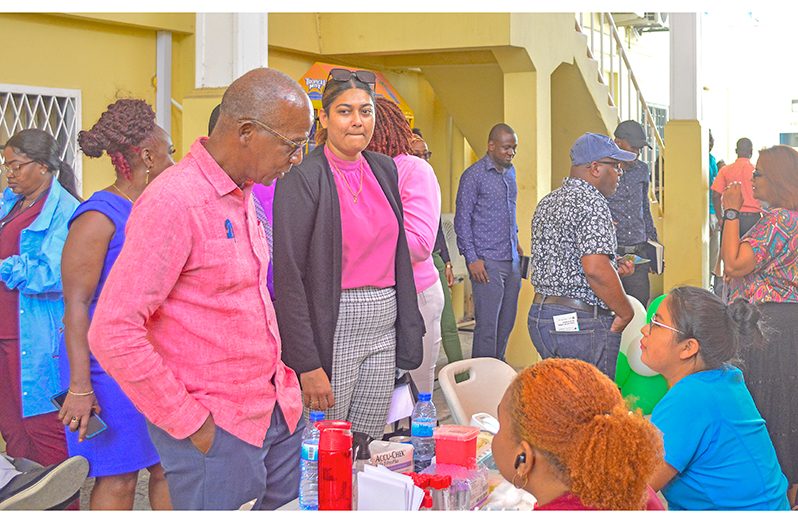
{"points": [[744, 314]]}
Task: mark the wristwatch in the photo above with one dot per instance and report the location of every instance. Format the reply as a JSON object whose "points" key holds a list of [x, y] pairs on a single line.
{"points": [[731, 214]]}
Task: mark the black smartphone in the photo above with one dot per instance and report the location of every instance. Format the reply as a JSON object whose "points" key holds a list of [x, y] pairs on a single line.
{"points": [[96, 425]]}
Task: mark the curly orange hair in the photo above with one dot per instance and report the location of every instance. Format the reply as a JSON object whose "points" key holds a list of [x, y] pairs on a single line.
{"points": [[575, 415]]}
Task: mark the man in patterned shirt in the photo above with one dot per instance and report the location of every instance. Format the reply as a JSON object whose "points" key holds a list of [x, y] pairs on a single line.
{"points": [[487, 236], [630, 209], [577, 288]]}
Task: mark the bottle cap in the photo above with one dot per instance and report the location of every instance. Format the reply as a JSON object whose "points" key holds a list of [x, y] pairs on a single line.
{"points": [[424, 396], [440, 482], [316, 415]]}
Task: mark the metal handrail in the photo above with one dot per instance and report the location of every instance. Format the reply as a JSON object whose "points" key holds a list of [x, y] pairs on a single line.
{"points": [[623, 99]]}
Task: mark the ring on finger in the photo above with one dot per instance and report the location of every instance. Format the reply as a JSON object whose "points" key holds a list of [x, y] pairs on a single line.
{"points": [[74, 419]]}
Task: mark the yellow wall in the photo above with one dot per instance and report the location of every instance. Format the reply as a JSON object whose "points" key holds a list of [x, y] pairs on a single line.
{"points": [[104, 61]]}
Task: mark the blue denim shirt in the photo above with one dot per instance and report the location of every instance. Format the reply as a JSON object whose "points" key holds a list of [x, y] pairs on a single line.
{"points": [[485, 217], [36, 274]]}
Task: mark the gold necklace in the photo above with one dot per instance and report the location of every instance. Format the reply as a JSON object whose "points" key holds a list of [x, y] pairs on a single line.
{"points": [[355, 195], [122, 192]]}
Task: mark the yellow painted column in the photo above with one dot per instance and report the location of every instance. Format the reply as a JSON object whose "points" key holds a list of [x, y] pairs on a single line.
{"points": [[527, 110], [685, 222], [197, 109]]}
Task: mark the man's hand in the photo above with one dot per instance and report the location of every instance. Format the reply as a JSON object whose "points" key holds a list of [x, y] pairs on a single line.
{"points": [[519, 249], [317, 392], [625, 268], [620, 323], [732, 196], [478, 272], [449, 273], [203, 438]]}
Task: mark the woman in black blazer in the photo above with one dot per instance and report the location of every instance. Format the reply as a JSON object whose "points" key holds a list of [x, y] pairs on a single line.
{"points": [[345, 296]]}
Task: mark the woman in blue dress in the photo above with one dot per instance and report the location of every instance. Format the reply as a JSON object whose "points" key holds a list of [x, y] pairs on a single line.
{"points": [[139, 151]]}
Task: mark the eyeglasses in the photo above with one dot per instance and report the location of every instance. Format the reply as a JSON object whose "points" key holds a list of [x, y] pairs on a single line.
{"points": [[339, 74], [660, 324], [295, 146], [757, 174], [614, 165], [426, 155], [6, 169]]}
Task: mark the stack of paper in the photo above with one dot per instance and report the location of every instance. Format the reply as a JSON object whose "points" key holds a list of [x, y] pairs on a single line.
{"points": [[380, 489]]}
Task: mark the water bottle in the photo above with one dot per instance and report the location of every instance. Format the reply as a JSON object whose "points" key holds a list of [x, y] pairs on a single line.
{"points": [[309, 464], [425, 417]]}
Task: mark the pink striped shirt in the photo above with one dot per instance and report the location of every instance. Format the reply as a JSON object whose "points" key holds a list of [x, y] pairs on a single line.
{"points": [[369, 228], [421, 202], [185, 324]]}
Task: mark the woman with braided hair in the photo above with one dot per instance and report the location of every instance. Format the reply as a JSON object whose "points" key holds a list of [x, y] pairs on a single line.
{"points": [[568, 438], [718, 454], [139, 151], [421, 205]]}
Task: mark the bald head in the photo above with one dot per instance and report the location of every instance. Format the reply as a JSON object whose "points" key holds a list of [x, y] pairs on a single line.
{"points": [[499, 130], [260, 94], [745, 149]]}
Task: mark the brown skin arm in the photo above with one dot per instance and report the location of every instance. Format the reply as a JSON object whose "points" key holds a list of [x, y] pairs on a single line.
{"points": [[716, 203], [81, 266], [662, 476], [604, 280], [738, 256]]}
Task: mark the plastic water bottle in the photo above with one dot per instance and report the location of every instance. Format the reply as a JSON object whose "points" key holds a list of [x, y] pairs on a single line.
{"points": [[309, 464], [425, 417]]}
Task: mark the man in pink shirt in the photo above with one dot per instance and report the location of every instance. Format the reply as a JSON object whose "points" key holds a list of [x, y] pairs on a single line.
{"points": [[740, 171], [185, 323]]}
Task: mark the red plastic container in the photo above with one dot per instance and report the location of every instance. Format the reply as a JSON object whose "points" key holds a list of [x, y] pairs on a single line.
{"points": [[456, 445], [335, 465]]}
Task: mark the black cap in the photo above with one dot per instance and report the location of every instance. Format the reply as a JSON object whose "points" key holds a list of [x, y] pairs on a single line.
{"points": [[633, 133]]}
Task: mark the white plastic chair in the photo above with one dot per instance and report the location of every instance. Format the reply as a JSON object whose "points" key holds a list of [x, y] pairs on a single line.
{"points": [[483, 390]]}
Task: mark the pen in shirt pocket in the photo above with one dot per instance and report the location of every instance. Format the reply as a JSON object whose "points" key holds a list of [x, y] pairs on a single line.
{"points": [[228, 225]]}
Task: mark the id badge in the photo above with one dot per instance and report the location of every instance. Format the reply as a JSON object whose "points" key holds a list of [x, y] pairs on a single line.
{"points": [[566, 323]]}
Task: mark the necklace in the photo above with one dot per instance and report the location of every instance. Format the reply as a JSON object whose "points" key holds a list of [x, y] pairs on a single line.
{"points": [[122, 192], [355, 195], [20, 208]]}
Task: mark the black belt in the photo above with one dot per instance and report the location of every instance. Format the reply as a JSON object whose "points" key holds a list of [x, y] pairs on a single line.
{"points": [[572, 303], [629, 249]]}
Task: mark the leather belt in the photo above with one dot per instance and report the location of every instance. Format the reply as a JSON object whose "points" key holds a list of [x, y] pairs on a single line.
{"points": [[629, 249], [572, 303]]}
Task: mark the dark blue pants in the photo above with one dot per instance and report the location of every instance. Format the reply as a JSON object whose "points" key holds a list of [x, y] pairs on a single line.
{"points": [[593, 343], [495, 305], [233, 472], [637, 284]]}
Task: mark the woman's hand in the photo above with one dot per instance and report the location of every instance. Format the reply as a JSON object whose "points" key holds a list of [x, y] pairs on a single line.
{"points": [[732, 197], [317, 392], [449, 275], [76, 411]]}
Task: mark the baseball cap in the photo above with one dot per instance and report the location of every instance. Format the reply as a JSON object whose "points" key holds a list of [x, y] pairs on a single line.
{"points": [[591, 147], [633, 133]]}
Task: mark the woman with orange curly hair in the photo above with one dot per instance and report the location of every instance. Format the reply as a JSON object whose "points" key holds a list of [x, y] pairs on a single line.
{"points": [[568, 438]]}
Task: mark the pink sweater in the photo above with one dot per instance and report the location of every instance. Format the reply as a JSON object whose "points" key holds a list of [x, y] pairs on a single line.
{"points": [[369, 227], [421, 201]]}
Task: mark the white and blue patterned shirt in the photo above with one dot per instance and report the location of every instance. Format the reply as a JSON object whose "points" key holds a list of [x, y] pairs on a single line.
{"points": [[484, 220], [570, 222]]}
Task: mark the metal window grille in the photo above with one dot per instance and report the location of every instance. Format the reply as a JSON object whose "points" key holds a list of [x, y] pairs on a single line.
{"points": [[56, 111]]}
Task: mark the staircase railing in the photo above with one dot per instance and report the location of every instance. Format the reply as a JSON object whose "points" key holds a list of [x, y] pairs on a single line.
{"points": [[606, 47]]}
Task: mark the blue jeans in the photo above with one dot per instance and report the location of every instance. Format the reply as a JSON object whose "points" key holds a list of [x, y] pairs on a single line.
{"points": [[495, 305], [593, 342], [233, 472]]}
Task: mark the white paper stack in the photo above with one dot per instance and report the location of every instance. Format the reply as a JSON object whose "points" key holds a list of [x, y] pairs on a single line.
{"points": [[380, 489]]}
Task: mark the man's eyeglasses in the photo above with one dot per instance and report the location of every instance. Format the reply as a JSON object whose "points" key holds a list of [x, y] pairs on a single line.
{"points": [[660, 324], [295, 146], [614, 165], [756, 174], [6, 169], [339, 74]]}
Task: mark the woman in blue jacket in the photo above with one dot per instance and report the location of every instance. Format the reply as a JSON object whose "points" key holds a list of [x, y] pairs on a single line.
{"points": [[34, 212]]}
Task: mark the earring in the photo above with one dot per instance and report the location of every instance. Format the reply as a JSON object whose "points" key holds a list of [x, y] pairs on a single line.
{"points": [[147, 181], [523, 486]]}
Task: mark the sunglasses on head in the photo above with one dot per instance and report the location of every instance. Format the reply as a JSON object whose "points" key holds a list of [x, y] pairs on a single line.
{"points": [[339, 74]]}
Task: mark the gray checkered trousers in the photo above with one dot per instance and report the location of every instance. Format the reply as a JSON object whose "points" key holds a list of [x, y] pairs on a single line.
{"points": [[364, 358]]}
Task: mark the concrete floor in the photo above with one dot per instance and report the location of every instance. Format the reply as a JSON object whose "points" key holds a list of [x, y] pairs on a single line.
{"points": [[142, 501]]}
